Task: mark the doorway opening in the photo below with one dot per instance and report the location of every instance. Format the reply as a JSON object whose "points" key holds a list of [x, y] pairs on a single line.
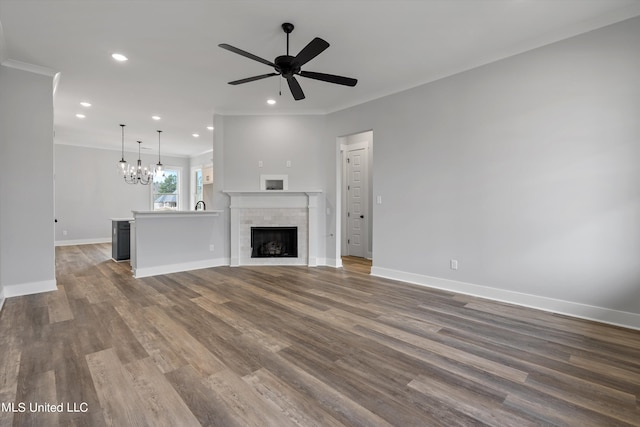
{"points": [[355, 186]]}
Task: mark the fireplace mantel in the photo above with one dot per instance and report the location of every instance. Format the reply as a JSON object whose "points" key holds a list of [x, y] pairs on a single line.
{"points": [[273, 206], [271, 198]]}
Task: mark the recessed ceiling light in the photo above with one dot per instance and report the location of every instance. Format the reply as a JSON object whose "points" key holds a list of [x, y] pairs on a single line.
{"points": [[80, 116], [119, 57], [271, 101], [210, 127], [155, 117], [85, 104], [195, 135]]}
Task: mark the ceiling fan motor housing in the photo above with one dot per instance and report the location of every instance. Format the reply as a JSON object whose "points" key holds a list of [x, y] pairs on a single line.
{"points": [[286, 66]]}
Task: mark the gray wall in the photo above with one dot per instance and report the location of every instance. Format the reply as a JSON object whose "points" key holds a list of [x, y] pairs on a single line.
{"points": [[88, 191], [274, 140], [27, 253], [524, 170]]}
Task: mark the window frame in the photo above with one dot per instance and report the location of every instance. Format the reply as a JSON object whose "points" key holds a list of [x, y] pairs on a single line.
{"points": [[194, 185], [179, 187]]}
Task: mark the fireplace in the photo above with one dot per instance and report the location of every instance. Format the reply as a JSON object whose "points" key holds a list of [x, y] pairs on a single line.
{"points": [[280, 208], [274, 242]]}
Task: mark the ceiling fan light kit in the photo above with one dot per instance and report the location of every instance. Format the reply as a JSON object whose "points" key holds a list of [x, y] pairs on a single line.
{"points": [[289, 66]]}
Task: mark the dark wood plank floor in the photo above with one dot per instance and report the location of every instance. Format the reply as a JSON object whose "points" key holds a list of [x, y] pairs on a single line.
{"points": [[297, 346]]}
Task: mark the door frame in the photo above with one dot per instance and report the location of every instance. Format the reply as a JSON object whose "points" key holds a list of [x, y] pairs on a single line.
{"points": [[340, 212], [365, 197]]}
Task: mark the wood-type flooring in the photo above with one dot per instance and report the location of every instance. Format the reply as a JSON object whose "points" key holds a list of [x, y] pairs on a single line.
{"points": [[298, 346], [356, 264]]}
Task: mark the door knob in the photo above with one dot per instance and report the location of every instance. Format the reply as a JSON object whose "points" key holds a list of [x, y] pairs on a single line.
{"points": [[361, 216]]}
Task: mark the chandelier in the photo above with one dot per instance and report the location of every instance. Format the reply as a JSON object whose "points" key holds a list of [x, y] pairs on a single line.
{"points": [[137, 174]]}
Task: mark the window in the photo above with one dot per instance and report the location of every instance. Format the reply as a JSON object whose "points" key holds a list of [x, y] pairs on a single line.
{"points": [[196, 184], [165, 191]]}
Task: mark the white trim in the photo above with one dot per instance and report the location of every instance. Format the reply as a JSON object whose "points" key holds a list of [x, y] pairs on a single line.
{"points": [[332, 262], [271, 199], [179, 187], [574, 309], [3, 55], [174, 214], [97, 146], [176, 268], [2, 298], [247, 200], [193, 156], [271, 112], [345, 149], [24, 66], [193, 184], [83, 241], [29, 288]]}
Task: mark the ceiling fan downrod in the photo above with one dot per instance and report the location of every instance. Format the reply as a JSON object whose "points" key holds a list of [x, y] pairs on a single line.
{"points": [[288, 28]]}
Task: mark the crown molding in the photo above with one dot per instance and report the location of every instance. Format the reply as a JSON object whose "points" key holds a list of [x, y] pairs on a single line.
{"points": [[24, 66]]}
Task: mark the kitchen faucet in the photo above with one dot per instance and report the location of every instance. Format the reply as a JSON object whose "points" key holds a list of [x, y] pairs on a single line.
{"points": [[204, 206]]}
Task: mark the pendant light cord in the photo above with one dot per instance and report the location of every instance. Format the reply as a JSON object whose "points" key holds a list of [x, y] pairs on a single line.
{"points": [[159, 132], [122, 141]]}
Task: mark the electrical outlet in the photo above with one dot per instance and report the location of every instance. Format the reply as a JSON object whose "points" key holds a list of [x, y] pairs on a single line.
{"points": [[454, 264], [260, 163], [212, 248], [288, 163], [64, 232]]}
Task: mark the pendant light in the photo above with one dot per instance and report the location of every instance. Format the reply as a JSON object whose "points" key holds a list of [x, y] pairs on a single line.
{"points": [[122, 164], [158, 169]]}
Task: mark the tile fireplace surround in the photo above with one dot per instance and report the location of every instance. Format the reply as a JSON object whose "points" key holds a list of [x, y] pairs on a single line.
{"points": [[274, 209]]}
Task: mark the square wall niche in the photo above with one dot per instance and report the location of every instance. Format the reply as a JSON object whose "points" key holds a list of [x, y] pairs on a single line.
{"points": [[274, 182]]}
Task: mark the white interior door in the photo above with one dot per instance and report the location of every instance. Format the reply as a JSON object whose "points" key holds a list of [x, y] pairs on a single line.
{"points": [[356, 202]]}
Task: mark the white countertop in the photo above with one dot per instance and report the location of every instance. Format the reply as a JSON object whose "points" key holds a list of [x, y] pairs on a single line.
{"points": [[174, 214]]}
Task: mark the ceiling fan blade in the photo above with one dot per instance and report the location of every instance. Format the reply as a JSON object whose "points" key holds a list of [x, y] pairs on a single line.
{"points": [[310, 51], [347, 81], [252, 79], [296, 90], [246, 54]]}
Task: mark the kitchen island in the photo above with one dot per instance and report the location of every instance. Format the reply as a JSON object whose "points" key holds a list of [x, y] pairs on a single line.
{"points": [[165, 242]]}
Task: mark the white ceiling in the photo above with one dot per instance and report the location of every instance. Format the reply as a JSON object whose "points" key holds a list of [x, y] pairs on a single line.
{"points": [[177, 71]]}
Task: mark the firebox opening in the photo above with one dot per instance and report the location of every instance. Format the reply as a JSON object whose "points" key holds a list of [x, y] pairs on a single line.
{"points": [[268, 242]]}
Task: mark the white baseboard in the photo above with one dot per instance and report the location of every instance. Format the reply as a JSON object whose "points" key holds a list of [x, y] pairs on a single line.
{"points": [[29, 288], [176, 268], [574, 309], [1, 300], [332, 262], [82, 241]]}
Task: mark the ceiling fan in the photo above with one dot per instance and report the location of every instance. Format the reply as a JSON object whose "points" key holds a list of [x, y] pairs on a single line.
{"points": [[289, 66]]}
